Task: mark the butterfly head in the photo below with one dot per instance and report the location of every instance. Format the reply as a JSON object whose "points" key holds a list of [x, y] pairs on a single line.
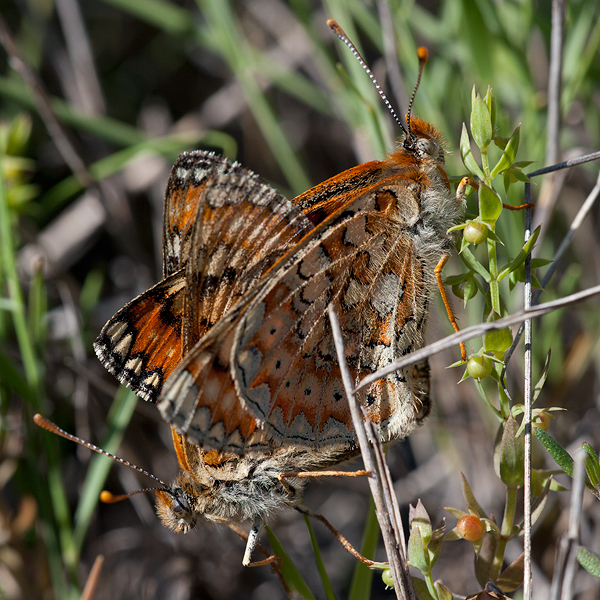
{"points": [[176, 507], [424, 140]]}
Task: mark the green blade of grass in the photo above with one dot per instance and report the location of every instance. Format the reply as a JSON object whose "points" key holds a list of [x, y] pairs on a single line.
{"points": [[362, 578], [329, 593], [290, 573]]}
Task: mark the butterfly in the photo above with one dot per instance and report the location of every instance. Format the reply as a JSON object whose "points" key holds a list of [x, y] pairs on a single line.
{"points": [[234, 344]]}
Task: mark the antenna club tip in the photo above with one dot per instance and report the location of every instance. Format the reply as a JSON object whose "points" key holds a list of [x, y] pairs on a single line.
{"points": [[422, 54], [107, 497], [44, 423], [335, 27]]}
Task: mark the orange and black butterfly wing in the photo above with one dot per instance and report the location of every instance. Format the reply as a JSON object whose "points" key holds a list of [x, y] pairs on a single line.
{"points": [[240, 230], [242, 226], [141, 344], [273, 351]]}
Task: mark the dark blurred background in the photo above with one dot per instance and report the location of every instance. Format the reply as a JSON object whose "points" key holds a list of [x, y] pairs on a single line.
{"points": [[135, 82]]}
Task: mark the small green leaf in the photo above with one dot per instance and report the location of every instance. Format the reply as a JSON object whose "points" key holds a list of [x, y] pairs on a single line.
{"points": [[421, 589], [452, 536], [481, 123], [509, 154], [416, 552], [456, 279], [490, 205], [490, 102], [435, 545], [455, 512], [520, 259], [469, 259], [536, 263], [498, 342], [589, 560], [469, 289], [418, 518], [517, 175], [537, 388], [512, 577], [485, 558], [555, 450], [467, 155], [443, 592], [512, 455], [592, 466], [472, 504]]}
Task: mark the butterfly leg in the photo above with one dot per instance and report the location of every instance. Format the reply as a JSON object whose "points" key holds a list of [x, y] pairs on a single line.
{"points": [[520, 207], [282, 476], [340, 538], [451, 317], [251, 544]]}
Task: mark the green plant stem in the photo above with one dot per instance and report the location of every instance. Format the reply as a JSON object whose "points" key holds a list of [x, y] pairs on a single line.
{"points": [[493, 270], [431, 588], [505, 533], [485, 163]]}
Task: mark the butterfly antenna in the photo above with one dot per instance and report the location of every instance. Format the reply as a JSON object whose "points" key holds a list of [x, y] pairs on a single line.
{"points": [[333, 24], [53, 428], [110, 498], [422, 55]]}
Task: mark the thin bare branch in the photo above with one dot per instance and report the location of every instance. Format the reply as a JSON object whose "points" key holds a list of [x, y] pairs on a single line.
{"points": [[573, 162], [527, 392]]}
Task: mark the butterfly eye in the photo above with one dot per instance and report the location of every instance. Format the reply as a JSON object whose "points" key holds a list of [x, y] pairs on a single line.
{"points": [[174, 508]]}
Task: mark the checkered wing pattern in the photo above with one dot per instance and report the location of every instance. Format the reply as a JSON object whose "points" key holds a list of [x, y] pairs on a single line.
{"points": [[266, 374], [223, 227]]}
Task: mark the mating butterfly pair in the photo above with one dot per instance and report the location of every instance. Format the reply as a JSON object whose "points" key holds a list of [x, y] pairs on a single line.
{"points": [[235, 346]]}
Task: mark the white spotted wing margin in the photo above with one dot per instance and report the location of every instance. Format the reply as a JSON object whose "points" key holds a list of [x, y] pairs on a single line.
{"points": [[141, 344], [267, 375]]}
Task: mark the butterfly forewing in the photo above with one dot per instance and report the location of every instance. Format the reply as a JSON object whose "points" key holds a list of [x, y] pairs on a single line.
{"points": [[141, 345], [186, 191], [242, 229], [237, 226]]}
